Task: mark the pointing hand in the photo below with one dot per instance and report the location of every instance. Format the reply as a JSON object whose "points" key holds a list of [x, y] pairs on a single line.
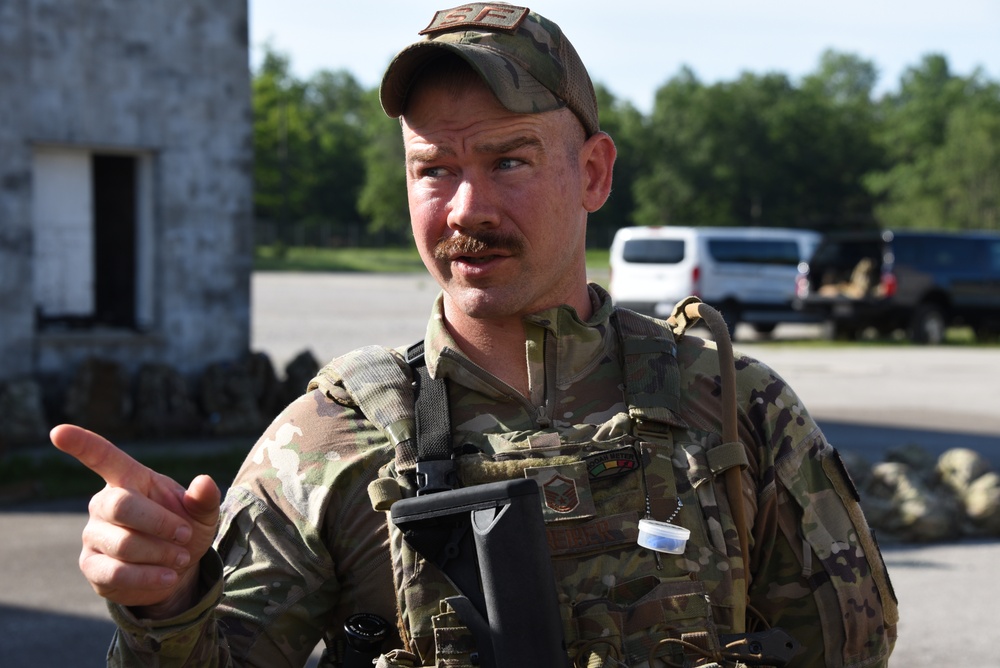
{"points": [[146, 532]]}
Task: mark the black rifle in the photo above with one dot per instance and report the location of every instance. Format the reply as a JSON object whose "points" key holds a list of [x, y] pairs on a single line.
{"points": [[489, 540]]}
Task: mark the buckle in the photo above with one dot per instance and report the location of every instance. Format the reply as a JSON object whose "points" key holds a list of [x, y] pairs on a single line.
{"points": [[436, 475]]}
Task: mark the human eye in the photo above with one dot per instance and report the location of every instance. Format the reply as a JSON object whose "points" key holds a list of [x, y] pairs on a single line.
{"points": [[432, 172], [504, 164], [427, 171], [428, 163]]}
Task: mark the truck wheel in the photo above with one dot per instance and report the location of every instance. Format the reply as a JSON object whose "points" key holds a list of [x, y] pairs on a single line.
{"points": [[730, 312], [765, 328], [988, 333], [928, 325], [838, 330]]}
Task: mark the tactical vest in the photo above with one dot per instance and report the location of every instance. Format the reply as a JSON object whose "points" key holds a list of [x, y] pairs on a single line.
{"points": [[619, 604]]}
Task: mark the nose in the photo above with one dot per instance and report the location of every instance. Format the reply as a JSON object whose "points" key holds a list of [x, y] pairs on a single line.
{"points": [[473, 205]]}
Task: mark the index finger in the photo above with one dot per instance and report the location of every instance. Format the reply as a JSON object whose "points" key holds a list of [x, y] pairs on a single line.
{"points": [[98, 454]]}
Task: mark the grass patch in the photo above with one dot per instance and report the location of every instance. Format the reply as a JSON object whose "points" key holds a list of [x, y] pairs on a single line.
{"points": [[277, 257], [961, 336], [954, 337], [599, 259]]}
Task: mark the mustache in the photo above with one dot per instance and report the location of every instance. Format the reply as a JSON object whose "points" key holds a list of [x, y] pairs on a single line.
{"points": [[472, 243]]}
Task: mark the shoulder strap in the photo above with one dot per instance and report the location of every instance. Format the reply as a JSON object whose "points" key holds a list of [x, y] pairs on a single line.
{"points": [[652, 376], [376, 380], [436, 467], [402, 400]]}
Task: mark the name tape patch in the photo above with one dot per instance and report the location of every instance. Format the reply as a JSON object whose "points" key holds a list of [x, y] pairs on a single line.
{"points": [[478, 15]]}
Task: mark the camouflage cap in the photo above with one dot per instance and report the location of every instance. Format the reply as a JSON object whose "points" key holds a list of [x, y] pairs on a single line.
{"points": [[524, 58]]}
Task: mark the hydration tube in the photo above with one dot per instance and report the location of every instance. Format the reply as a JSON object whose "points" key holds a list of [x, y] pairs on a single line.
{"points": [[686, 313]]}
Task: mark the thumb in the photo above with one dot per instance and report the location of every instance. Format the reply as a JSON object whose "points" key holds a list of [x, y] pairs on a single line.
{"points": [[201, 501]]}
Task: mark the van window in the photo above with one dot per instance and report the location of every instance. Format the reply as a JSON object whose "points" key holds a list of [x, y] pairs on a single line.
{"points": [[653, 251], [755, 251]]}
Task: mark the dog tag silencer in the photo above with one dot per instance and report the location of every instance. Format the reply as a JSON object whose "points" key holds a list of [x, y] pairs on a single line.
{"points": [[663, 536]]}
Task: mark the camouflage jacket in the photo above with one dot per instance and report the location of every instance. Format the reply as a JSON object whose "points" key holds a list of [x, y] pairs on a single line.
{"points": [[301, 548]]}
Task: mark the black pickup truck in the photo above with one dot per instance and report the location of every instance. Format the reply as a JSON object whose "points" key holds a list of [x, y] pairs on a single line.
{"points": [[915, 281]]}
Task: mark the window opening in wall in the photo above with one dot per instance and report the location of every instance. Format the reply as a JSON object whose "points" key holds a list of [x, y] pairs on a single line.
{"points": [[92, 222], [114, 186]]}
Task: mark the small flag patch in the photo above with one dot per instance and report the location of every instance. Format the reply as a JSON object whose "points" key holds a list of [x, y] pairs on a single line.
{"points": [[612, 463]]}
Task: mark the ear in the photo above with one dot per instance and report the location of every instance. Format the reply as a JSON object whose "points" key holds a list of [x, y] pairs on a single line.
{"points": [[598, 159]]}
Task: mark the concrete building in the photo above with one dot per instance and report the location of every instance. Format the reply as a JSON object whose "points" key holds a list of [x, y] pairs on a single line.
{"points": [[125, 184]]}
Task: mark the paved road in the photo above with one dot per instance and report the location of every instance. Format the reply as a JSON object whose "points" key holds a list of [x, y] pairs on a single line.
{"points": [[866, 399]]}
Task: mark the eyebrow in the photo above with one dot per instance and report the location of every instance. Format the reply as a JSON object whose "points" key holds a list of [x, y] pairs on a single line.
{"points": [[434, 153], [425, 155], [510, 145]]}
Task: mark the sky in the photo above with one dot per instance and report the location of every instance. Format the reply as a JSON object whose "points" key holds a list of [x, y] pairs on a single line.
{"points": [[633, 47]]}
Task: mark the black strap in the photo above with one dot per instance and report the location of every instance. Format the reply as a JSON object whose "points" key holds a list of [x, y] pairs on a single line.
{"points": [[436, 469]]}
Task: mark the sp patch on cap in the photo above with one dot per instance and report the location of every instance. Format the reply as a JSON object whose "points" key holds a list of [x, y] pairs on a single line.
{"points": [[494, 17]]}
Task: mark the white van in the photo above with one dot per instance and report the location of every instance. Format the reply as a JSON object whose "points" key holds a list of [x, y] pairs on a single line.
{"points": [[748, 273]]}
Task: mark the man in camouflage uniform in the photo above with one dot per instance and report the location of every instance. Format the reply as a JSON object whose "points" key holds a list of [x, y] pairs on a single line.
{"points": [[504, 160]]}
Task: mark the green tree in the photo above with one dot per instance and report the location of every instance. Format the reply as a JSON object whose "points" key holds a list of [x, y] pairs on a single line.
{"points": [[334, 107], [965, 170], [940, 135], [846, 146], [668, 191], [308, 140], [383, 196], [761, 151], [280, 137], [626, 125], [845, 79]]}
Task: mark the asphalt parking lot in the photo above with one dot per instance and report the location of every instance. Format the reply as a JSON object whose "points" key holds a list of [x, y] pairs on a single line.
{"points": [[867, 399]]}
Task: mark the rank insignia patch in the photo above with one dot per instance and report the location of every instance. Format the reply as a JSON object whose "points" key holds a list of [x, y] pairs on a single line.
{"points": [[560, 494]]}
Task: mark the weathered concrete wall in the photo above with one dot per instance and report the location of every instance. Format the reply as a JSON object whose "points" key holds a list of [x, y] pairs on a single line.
{"points": [[169, 79], [16, 318]]}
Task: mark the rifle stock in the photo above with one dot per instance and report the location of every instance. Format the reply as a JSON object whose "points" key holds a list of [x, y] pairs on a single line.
{"points": [[490, 541]]}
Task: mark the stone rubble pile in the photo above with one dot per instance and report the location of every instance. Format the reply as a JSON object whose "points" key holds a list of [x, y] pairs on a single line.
{"points": [[910, 497], [227, 399], [917, 498]]}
